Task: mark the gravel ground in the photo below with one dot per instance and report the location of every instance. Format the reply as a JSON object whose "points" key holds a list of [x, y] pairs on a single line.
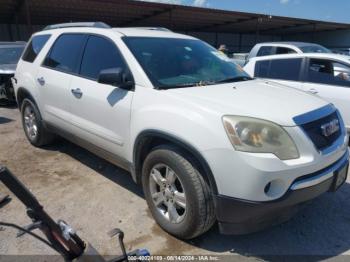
{"points": [[95, 196]]}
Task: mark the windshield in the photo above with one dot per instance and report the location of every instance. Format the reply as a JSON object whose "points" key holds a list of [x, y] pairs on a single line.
{"points": [[10, 55], [314, 49], [173, 63]]}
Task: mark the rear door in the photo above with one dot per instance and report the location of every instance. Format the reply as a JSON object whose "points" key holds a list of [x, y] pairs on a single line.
{"points": [[286, 71], [330, 80], [54, 77], [100, 113]]}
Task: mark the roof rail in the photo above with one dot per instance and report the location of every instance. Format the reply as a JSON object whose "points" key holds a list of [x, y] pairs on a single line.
{"points": [[154, 28], [78, 24]]}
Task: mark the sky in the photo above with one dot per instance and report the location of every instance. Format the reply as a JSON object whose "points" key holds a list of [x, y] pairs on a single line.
{"points": [[326, 10]]}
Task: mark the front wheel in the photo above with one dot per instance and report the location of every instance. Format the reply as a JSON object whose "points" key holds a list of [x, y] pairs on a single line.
{"points": [[178, 196]]}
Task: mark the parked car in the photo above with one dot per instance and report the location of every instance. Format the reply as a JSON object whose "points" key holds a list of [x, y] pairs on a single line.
{"points": [[10, 52], [325, 75], [278, 48], [205, 141]]}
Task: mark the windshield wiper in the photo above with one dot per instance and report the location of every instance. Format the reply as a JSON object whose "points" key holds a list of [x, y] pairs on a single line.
{"points": [[234, 79], [183, 85], [176, 86], [206, 83]]}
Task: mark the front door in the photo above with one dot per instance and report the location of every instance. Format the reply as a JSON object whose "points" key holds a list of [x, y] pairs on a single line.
{"points": [[100, 114], [330, 80]]}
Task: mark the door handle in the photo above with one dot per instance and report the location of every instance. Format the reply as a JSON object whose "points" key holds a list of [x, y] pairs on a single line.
{"points": [[313, 91], [41, 81], [77, 92]]}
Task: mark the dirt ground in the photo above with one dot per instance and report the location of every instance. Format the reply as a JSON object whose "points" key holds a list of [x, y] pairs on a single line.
{"points": [[95, 197]]}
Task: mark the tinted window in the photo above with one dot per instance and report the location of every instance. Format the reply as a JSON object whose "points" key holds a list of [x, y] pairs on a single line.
{"points": [[314, 49], [65, 53], [262, 68], [100, 54], [34, 47], [286, 69], [284, 50], [265, 50], [328, 72]]}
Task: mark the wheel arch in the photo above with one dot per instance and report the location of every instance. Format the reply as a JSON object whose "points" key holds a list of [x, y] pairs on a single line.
{"points": [[148, 139], [23, 93]]}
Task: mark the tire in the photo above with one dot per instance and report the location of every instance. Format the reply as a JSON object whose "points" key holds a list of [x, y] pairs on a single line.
{"points": [[35, 131], [189, 187]]}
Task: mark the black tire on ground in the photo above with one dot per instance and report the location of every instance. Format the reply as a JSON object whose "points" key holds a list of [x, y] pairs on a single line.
{"points": [[199, 216], [43, 136]]}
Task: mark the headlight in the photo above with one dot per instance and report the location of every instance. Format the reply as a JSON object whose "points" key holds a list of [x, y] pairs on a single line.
{"points": [[259, 136]]}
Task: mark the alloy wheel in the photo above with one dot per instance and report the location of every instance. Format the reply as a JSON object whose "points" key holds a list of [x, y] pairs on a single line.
{"points": [[30, 122], [167, 193]]}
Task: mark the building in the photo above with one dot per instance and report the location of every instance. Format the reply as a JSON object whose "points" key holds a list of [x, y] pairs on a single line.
{"points": [[238, 30]]}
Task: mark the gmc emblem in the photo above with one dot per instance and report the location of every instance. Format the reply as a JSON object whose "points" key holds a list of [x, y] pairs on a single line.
{"points": [[330, 128]]}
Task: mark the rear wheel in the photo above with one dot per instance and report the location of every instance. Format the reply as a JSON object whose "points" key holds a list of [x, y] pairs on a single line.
{"points": [[33, 126], [177, 195]]}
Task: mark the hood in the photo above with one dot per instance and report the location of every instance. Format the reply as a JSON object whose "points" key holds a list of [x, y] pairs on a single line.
{"points": [[256, 98], [7, 68]]}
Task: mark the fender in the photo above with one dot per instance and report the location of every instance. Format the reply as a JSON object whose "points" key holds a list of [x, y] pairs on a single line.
{"points": [[144, 135]]}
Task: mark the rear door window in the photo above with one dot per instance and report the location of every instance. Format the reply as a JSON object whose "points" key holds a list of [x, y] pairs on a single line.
{"points": [[66, 52], [284, 50], [34, 47], [100, 53], [285, 69], [265, 50]]}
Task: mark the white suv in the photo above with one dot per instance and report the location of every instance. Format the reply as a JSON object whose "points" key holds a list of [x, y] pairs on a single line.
{"points": [[206, 142]]}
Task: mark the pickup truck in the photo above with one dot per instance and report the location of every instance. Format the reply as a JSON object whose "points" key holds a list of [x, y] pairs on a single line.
{"points": [[279, 48]]}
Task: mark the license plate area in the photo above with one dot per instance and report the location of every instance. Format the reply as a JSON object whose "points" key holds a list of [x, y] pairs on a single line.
{"points": [[339, 177]]}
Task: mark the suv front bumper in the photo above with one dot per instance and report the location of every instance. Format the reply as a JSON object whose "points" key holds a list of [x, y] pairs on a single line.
{"points": [[237, 216]]}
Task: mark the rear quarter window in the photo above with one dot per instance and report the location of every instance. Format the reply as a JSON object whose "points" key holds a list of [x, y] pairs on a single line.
{"points": [[34, 47]]}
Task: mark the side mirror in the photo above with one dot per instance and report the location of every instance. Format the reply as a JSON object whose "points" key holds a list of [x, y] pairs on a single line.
{"points": [[116, 77]]}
